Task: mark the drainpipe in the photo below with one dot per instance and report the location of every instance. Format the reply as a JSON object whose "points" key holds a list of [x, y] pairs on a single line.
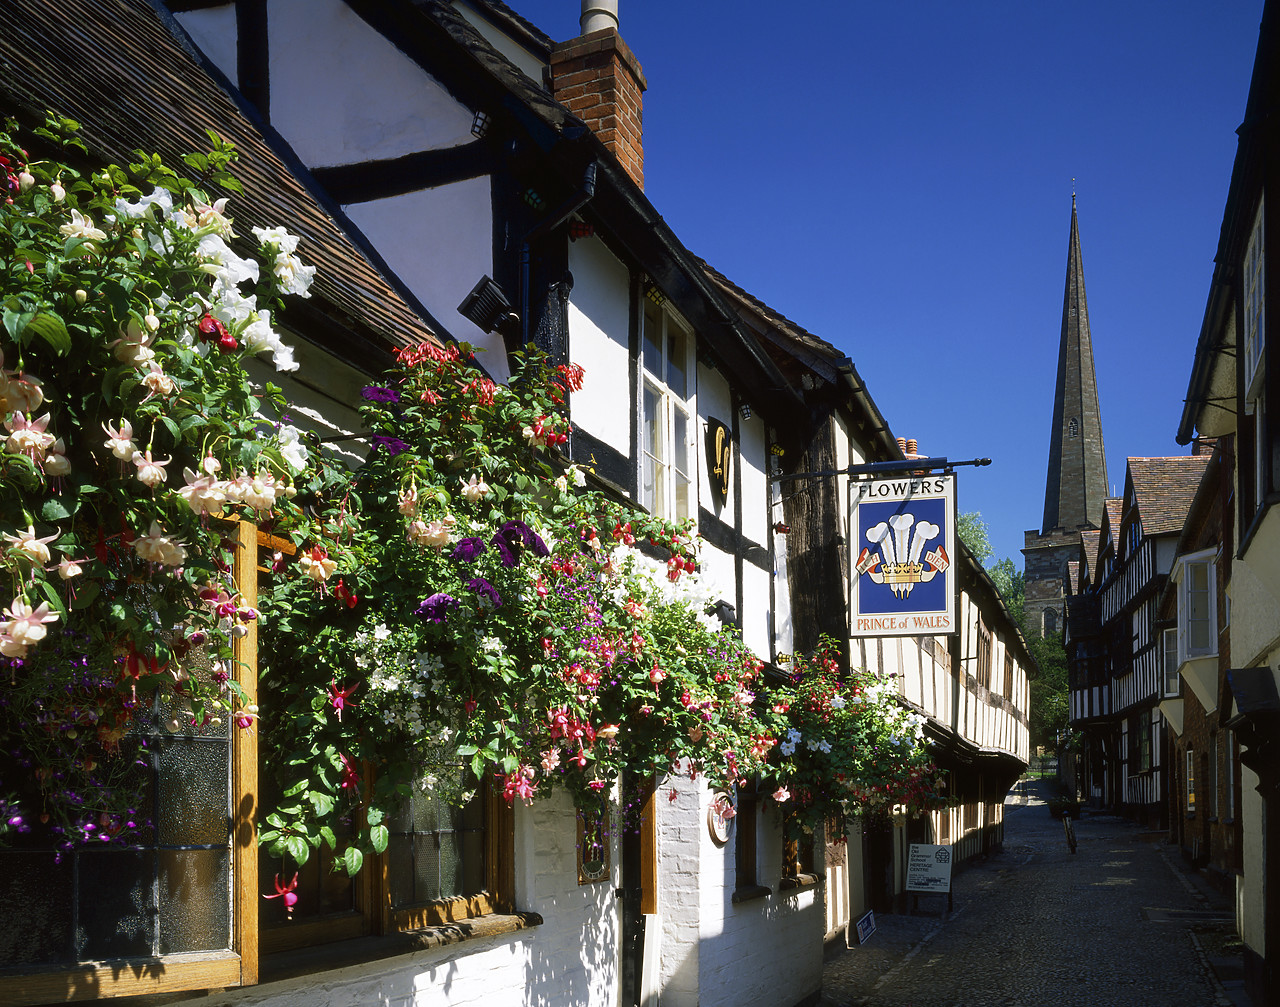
{"points": [[544, 227]]}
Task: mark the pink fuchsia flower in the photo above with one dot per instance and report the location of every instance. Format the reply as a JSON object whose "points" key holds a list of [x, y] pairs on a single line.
{"points": [[675, 567], [636, 609], [782, 795], [518, 784], [475, 489], [27, 546], [286, 893], [151, 473], [345, 595], [120, 441], [19, 392], [203, 494], [470, 706], [157, 382], [608, 732], [550, 760], [409, 502], [26, 625], [28, 437], [69, 568], [245, 717], [338, 697], [316, 564], [134, 346], [350, 774], [157, 547], [56, 463], [596, 784], [622, 533], [81, 226]]}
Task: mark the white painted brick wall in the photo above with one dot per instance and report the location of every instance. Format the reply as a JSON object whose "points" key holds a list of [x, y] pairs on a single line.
{"points": [[763, 953], [571, 959]]}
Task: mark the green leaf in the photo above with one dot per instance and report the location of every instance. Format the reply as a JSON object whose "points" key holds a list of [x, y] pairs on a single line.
{"points": [[327, 835], [16, 317], [86, 594], [353, 859], [379, 836], [54, 509], [50, 328], [55, 600], [296, 789], [374, 815], [321, 801], [298, 849]]}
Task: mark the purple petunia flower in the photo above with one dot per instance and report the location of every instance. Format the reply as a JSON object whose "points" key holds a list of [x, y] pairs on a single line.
{"points": [[505, 552], [436, 608], [517, 531], [379, 393], [485, 591], [391, 445], [468, 549]]}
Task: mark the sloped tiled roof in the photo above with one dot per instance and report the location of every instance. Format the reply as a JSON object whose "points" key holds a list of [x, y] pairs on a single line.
{"points": [[1163, 489], [1091, 540], [119, 68], [1073, 576]]}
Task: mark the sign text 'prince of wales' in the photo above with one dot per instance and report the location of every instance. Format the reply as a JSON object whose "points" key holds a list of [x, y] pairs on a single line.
{"points": [[904, 537]]}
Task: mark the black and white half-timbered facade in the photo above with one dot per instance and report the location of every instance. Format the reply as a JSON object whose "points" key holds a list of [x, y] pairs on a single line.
{"points": [[1230, 664], [1117, 642], [969, 688]]}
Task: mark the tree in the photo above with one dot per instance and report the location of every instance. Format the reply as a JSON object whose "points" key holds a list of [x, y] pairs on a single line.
{"points": [[974, 534], [1010, 582]]}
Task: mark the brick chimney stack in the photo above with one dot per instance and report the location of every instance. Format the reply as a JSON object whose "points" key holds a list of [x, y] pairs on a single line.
{"points": [[599, 79]]}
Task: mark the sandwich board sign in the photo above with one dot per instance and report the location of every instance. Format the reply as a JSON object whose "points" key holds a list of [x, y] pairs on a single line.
{"points": [[904, 540], [928, 868]]}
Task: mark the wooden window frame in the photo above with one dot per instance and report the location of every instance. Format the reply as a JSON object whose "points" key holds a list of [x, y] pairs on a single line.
{"points": [[199, 970]]}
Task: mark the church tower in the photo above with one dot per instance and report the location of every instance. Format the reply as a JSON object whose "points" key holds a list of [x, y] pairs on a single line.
{"points": [[1076, 484]]}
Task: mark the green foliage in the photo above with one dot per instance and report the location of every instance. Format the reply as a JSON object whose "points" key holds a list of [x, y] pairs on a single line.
{"points": [[126, 320], [974, 534]]}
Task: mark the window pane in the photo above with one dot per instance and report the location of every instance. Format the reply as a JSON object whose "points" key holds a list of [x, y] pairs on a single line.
{"points": [[117, 917], [652, 339], [442, 854], [195, 912], [677, 361], [35, 908], [1198, 609]]}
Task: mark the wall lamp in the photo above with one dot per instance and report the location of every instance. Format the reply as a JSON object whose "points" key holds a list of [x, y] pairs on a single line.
{"points": [[488, 308], [656, 295], [480, 124], [745, 411]]}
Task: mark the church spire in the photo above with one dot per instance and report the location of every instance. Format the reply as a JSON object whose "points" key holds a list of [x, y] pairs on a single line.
{"points": [[1077, 482]]}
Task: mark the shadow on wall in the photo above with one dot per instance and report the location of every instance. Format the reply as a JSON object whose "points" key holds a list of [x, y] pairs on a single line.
{"points": [[579, 966]]}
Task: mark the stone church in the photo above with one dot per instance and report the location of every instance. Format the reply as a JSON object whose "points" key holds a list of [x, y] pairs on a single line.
{"points": [[1076, 484]]}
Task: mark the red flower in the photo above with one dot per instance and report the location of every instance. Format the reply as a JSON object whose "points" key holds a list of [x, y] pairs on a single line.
{"points": [[470, 705], [212, 328], [350, 774], [338, 697], [345, 594], [287, 893]]}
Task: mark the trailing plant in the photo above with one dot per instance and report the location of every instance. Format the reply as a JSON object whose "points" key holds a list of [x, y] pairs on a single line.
{"points": [[130, 308], [503, 622], [850, 746]]}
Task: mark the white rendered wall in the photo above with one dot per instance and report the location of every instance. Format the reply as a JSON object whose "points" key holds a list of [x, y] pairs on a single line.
{"points": [[341, 93], [439, 242], [599, 323], [765, 952], [756, 614], [755, 485], [570, 959], [214, 31]]}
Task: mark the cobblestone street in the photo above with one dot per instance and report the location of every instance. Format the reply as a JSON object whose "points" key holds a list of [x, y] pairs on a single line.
{"points": [[1120, 923]]}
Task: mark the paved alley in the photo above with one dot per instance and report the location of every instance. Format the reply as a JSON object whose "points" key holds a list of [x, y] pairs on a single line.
{"points": [[1120, 923]]}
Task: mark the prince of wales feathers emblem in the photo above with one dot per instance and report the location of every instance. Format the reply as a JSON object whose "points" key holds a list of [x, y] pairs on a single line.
{"points": [[897, 561]]}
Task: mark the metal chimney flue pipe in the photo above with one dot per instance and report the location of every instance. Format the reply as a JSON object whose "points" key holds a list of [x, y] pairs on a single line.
{"points": [[597, 14]]}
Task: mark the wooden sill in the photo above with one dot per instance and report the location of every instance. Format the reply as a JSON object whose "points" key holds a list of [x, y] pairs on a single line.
{"points": [[798, 881], [749, 892], [308, 961]]}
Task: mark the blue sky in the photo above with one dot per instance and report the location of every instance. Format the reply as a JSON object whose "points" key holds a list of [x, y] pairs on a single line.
{"points": [[896, 177]]}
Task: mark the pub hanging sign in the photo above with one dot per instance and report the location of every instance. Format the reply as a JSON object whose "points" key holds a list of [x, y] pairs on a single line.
{"points": [[903, 534]]}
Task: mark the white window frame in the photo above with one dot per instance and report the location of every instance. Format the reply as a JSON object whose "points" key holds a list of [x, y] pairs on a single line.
{"points": [[668, 455], [1230, 767], [1183, 575], [1169, 661]]}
